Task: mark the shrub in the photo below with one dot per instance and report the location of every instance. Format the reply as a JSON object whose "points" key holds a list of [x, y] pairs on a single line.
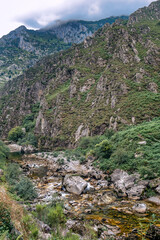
{"points": [[29, 139], [25, 189], [5, 219], [15, 133], [60, 161], [30, 227], [56, 216], [103, 149], [12, 173]]}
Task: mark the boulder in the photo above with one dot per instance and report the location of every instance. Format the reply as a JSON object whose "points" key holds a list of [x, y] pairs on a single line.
{"points": [[158, 189], [15, 148], [107, 199], [127, 185], [140, 208], [135, 192], [28, 149], [74, 184], [154, 183], [154, 200]]}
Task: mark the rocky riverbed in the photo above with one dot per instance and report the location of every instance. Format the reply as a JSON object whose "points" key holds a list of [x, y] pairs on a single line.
{"points": [[117, 205]]}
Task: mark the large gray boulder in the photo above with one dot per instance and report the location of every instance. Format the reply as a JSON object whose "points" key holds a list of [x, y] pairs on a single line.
{"points": [[74, 184], [154, 200], [15, 148], [128, 185]]}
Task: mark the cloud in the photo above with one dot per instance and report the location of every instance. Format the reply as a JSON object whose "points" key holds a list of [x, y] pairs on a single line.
{"points": [[39, 13]]}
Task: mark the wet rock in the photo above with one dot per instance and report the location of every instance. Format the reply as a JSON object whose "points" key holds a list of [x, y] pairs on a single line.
{"points": [[110, 231], [140, 208], [158, 189], [15, 148], [102, 184], [154, 200], [153, 233], [74, 184], [107, 199]]}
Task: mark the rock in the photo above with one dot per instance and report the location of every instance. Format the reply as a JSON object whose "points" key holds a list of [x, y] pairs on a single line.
{"points": [[1, 172], [158, 189], [102, 183], [15, 148], [135, 192], [107, 199], [74, 184], [153, 233], [154, 183], [139, 208], [142, 143], [28, 149], [154, 200]]}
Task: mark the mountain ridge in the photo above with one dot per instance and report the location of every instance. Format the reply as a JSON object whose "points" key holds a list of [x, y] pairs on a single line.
{"points": [[22, 48], [110, 81]]}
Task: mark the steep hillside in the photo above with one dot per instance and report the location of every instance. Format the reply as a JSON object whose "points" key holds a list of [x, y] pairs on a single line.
{"points": [[111, 80], [22, 48]]}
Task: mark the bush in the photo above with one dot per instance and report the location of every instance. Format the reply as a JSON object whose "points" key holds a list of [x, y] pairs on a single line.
{"points": [[103, 149], [12, 173], [56, 216], [29, 139], [15, 133], [25, 189], [3, 151], [5, 219], [30, 227]]}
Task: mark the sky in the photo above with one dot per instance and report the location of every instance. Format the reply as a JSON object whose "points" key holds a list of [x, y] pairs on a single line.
{"points": [[35, 14]]}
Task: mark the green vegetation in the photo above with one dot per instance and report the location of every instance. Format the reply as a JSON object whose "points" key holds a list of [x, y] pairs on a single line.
{"points": [[134, 149], [5, 219], [18, 184], [3, 153], [15, 134]]}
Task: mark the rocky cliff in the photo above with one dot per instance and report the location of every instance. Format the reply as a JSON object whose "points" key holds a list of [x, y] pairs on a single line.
{"points": [[22, 48], [109, 81]]}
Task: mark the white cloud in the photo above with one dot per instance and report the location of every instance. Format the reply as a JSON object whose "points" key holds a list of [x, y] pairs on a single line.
{"points": [[36, 13]]}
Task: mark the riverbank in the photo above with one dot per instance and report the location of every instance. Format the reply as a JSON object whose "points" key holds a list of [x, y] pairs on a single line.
{"points": [[103, 205]]}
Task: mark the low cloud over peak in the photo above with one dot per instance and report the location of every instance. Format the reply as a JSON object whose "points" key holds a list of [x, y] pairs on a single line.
{"points": [[37, 14]]}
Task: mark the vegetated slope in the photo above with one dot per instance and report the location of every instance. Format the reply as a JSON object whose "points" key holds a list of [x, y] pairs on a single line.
{"points": [[111, 80], [21, 48]]}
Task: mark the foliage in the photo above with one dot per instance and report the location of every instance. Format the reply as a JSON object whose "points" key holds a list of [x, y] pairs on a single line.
{"points": [[28, 139], [3, 154], [25, 189], [30, 227], [5, 219], [15, 134], [19, 184], [51, 214]]}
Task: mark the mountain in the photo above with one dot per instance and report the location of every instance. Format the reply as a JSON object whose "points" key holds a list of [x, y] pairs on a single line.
{"points": [[22, 48], [109, 81]]}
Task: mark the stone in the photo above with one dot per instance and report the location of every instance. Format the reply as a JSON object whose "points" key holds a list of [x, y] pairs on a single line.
{"points": [[1, 172], [142, 143], [135, 192], [140, 208], [107, 199], [74, 184], [154, 183], [28, 149], [158, 189], [15, 148], [154, 200]]}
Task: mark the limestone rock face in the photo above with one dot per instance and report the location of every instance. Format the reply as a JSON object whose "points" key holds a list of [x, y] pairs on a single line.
{"points": [[74, 184]]}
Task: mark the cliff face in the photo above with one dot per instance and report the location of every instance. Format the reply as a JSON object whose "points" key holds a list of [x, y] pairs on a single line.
{"points": [[22, 48], [107, 82]]}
